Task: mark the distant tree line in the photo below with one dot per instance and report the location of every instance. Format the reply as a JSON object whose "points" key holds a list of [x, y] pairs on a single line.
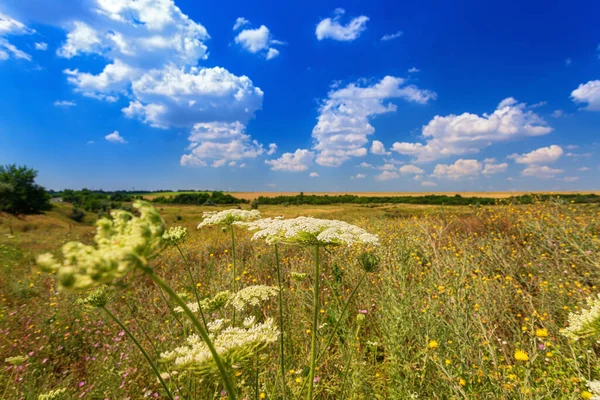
{"points": [[200, 199], [456, 200], [95, 201]]}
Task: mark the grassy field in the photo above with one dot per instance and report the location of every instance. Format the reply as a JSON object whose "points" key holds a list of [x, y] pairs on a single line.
{"points": [[461, 293], [254, 195]]}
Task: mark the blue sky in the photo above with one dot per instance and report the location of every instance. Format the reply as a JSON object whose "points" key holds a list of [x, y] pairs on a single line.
{"points": [[312, 95]]}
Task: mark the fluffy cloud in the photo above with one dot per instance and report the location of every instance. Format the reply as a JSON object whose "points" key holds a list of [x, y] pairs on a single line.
{"points": [[343, 123], [411, 170], [10, 26], [115, 137], [468, 133], [42, 46], [358, 176], [386, 176], [239, 22], [413, 70], [460, 169], [541, 171], [175, 97], [314, 175], [378, 148], [543, 155], [428, 184], [392, 36], [491, 169], [588, 93], [220, 142], [331, 28], [258, 40], [300, 160]]}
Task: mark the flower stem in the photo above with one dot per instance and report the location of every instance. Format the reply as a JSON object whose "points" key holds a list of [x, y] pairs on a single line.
{"points": [[189, 270], [234, 265], [337, 324], [313, 340], [281, 336], [139, 346], [229, 386]]}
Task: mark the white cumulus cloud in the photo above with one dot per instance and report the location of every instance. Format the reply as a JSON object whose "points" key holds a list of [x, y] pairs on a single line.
{"points": [[378, 148], [392, 36], [386, 176], [239, 22], [469, 133], [411, 170], [491, 169], [10, 26], [300, 160], [343, 126], [65, 103], [332, 28], [541, 171], [460, 169], [42, 46], [543, 155], [588, 93], [258, 40], [115, 137], [314, 175]]}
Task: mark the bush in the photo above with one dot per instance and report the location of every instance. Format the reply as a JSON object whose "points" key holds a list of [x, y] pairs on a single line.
{"points": [[77, 215], [19, 194]]}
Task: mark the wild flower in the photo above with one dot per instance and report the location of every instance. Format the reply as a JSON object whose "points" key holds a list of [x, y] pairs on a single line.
{"points": [[210, 304], [585, 323], [16, 360], [252, 296], [175, 235], [594, 387], [520, 355], [96, 298], [298, 276], [123, 243], [228, 217], [55, 394], [234, 346], [541, 333], [309, 231]]}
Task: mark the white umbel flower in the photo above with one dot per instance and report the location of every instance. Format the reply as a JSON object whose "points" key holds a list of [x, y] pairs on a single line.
{"points": [[175, 235], [228, 217], [252, 296], [586, 323], [123, 243], [309, 231], [234, 345]]}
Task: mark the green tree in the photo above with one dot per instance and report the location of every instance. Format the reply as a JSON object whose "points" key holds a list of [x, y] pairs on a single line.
{"points": [[19, 194]]}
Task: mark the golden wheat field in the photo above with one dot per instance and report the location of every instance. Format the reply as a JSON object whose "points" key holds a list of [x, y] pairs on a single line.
{"points": [[452, 303]]}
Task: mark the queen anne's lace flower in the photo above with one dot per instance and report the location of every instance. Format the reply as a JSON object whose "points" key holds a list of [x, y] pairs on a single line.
{"points": [[176, 235], [123, 243], [594, 387], [96, 298], [309, 231], [228, 217], [210, 304], [234, 345], [252, 296], [585, 323]]}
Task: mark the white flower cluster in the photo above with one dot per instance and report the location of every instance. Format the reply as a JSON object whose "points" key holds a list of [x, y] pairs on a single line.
{"points": [[585, 323], [594, 387], [309, 231], [228, 217], [252, 296], [175, 235], [234, 346], [124, 242], [209, 304]]}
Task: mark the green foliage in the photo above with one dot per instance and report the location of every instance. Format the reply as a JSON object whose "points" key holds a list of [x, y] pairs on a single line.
{"points": [[19, 194], [77, 215], [96, 201], [200, 199]]}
